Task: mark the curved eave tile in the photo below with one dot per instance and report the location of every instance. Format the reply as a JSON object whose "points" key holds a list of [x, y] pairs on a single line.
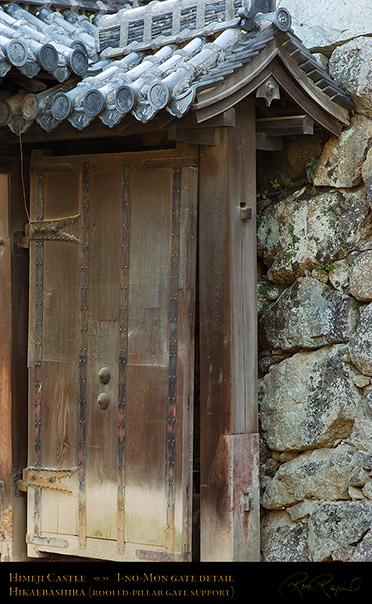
{"points": [[208, 77], [180, 38], [46, 41]]}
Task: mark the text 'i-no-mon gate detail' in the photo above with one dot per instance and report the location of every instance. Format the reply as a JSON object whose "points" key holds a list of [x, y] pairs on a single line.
{"points": [[111, 355]]}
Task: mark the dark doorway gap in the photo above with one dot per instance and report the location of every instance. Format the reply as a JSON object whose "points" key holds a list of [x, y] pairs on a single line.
{"points": [[196, 432]]}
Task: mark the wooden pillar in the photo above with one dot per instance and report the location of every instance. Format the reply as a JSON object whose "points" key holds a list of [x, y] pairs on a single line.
{"points": [[228, 344], [13, 380], [5, 372]]}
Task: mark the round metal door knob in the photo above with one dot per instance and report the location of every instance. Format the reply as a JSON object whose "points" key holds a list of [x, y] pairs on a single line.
{"points": [[103, 401], [104, 375]]}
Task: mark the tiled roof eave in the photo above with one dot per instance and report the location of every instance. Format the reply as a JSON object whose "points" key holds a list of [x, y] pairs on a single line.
{"points": [[86, 6], [213, 69]]}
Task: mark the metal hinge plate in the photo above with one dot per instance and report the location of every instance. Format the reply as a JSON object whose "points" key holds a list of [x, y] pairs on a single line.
{"points": [[46, 479], [45, 230], [162, 556], [51, 230], [49, 541]]}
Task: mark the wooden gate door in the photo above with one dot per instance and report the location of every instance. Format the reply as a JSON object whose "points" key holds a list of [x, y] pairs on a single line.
{"points": [[112, 254]]}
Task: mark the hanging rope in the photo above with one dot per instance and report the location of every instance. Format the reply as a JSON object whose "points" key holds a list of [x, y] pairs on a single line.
{"points": [[23, 179]]}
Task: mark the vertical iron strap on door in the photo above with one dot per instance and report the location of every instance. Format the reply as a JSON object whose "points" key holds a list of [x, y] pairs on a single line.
{"points": [[173, 349], [123, 352], [39, 256], [83, 355]]}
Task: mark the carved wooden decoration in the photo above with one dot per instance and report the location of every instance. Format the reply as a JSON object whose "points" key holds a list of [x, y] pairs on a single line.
{"points": [[269, 91]]}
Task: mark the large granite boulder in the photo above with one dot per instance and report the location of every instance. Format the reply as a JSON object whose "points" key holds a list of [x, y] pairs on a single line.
{"points": [[339, 275], [349, 66], [309, 314], [361, 435], [321, 474], [309, 400], [337, 525], [360, 277], [283, 540], [308, 230], [360, 345], [342, 158], [367, 175]]}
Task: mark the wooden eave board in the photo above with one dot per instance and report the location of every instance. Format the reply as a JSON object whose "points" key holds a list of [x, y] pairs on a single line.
{"points": [[230, 85], [314, 91], [271, 61]]}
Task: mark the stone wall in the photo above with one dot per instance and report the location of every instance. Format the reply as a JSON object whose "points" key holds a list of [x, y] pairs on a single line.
{"points": [[315, 315]]}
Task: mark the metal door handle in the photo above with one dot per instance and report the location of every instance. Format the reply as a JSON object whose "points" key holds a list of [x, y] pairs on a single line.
{"points": [[103, 400], [104, 375]]}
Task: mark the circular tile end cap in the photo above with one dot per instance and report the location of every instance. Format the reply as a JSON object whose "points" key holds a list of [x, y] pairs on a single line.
{"points": [[79, 45], [16, 52], [78, 62], [48, 57], [93, 102], [283, 19], [5, 113], [124, 98], [158, 95], [30, 106], [61, 106]]}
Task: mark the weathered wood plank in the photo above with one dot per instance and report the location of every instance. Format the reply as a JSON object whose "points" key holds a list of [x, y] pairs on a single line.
{"points": [[145, 492], [105, 192], [148, 353], [186, 355], [59, 417], [101, 452], [60, 305], [150, 225], [95, 548], [243, 237]]}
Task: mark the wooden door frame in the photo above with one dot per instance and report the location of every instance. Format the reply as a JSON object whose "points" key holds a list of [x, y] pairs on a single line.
{"points": [[227, 285], [229, 492]]}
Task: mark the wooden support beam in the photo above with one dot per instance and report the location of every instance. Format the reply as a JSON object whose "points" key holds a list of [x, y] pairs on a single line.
{"points": [[129, 126], [196, 136], [228, 365], [285, 126], [226, 119], [6, 522], [268, 143]]}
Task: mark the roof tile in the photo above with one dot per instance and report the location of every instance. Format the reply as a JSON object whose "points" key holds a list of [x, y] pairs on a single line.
{"points": [[139, 60]]}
